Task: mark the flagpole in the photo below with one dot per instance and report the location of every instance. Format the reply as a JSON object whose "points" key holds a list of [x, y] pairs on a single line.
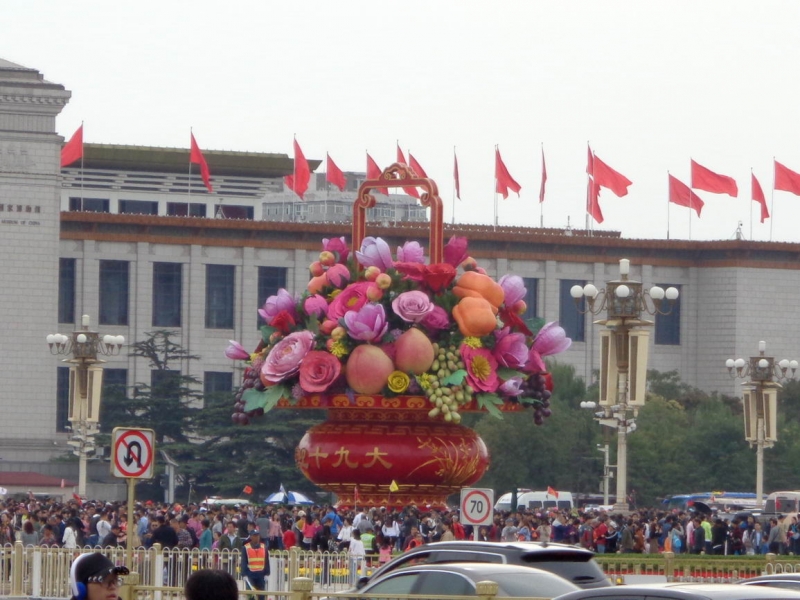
{"points": [[541, 203], [189, 189], [668, 203], [772, 201], [82, 173], [588, 190], [496, 150], [294, 174], [453, 215], [327, 185], [751, 203]]}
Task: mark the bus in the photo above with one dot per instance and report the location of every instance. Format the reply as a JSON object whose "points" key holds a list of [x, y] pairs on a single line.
{"points": [[726, 501]]}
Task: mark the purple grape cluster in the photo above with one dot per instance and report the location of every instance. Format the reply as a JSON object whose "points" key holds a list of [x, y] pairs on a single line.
{"points": [[250, 380], [536, 390]]}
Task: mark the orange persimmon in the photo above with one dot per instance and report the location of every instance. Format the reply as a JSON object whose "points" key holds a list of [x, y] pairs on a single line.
{"points": [[474, 285], [475, 316]]}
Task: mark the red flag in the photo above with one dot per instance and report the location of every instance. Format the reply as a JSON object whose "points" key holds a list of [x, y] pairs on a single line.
{"points": [[551, 491], [356, 496], [503, 179], [544, 179], [411, 191], [73, 149], [455, 175], [196, 157], [786, 179], [416, 167], [679, 193], [374, 172], [593, 201], [63, 483], [298, 181], [77, 498], [590, 161], [607, 177], [757, 194], [247, 490], [334, 174], [705, 179]]}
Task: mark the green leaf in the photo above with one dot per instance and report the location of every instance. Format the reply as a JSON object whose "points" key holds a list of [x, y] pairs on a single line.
{"points": [[490, 403], [312, 324], [254, 399], [454, 378], [267, 331], [505, 373]]}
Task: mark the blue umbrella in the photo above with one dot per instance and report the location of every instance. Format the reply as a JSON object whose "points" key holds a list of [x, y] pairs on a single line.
{"points": [[284, 497]]}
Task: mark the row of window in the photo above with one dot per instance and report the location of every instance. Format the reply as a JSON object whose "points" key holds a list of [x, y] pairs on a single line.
{"points": [[174, 209], [221, 288]]}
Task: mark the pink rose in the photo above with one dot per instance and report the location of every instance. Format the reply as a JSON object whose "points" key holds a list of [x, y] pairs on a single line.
{"points": [[412, 306], [318, 371], [436, 319], [316, 306], [286, 356]]}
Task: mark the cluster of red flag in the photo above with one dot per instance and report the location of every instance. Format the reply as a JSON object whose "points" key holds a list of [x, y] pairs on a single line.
{"points": [[601, 175]]}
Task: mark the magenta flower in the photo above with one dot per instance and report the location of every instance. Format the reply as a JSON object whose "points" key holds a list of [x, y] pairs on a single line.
{"points": [[338, 276], [455, 252], [338, 246], [436, 319], [375, 253], [412, 306], [353, 297], [411, 252], [368, 324], [275, 304], [510, 350], [287, 355], [511, 388], [535, 363], [235, 351], [513, 288], [316, 306], [551, 339]]}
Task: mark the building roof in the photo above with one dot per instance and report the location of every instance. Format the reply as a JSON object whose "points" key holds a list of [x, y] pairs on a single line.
{"points": [[32, 479], [176, 160]]}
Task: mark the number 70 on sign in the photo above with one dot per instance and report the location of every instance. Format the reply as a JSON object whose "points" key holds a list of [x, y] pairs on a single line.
{"points": [[477, 507]]}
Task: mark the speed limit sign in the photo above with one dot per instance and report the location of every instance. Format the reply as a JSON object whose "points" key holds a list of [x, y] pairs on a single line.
{"points": [[477, 506]]}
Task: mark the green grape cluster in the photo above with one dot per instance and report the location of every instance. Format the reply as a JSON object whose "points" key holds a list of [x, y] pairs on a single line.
{"points": [[446, 398]]}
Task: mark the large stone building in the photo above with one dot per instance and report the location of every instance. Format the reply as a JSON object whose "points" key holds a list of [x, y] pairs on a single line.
{"points": [[129, 241]]}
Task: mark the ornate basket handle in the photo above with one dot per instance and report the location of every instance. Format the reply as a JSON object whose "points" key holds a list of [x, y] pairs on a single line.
{"points": [[394, 176]]}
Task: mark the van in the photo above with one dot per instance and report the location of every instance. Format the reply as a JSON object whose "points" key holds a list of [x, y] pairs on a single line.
{"points": [[782, 502], [537, 501]]}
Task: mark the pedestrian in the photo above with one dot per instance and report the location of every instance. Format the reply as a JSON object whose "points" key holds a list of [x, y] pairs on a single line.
{"points": [[211, 584], [255, 561], [94, 577]]}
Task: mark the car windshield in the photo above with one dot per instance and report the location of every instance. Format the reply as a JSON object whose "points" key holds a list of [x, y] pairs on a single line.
{"points": [[530, 585], [572, 566]]}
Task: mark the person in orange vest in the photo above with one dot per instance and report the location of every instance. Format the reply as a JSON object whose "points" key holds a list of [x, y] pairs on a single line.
{"points": [[255, 561]]}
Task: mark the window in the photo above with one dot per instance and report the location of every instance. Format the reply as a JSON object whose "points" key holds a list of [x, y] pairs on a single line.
{"points": [[138, 207], [229, 211], [219, 296], [66, 290], [437, 583], [167, 287], [400, 584], [668, 327], [570, 317], [270, 280], [217, 387], [88, 205], [62, 398], [113, 292], [184, 209], [531, 298]]}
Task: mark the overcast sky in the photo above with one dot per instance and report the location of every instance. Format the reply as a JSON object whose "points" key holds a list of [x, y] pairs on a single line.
{"points": [[649, 85]]}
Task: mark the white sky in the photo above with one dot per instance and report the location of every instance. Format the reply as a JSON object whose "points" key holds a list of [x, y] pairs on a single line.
{"points": [[648, 84]]}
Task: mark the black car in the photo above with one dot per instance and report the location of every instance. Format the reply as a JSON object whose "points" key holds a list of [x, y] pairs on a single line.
{"points": [[683, 591], [576, 565]]}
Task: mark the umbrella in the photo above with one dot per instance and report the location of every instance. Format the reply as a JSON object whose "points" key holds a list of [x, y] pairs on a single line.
{"points": [[290, 497]]}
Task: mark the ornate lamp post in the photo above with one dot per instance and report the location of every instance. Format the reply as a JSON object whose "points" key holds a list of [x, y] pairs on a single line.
{"points": [[623, 355], [760, 397], [85, 385]]}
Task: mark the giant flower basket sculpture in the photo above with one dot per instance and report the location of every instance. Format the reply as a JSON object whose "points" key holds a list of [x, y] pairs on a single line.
{"points": [[396, 348]]}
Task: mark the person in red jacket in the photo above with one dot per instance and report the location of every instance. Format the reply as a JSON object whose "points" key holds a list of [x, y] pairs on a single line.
{"points": [[289, 539], [458, 529]]}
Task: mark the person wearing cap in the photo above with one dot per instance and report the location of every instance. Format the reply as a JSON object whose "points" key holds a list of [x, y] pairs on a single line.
{"points": [[255, 561], [111, 539], [94, 577]]}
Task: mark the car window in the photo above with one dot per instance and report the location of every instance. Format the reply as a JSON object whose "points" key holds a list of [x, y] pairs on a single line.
{"points": [[531, 585], [788, 585], [450, 556], [579, 569], [402, 583], [436, 583]]}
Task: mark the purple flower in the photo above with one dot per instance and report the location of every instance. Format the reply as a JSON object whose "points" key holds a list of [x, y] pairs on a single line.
{"points": [[512, 388], [338, 246], [513, 288], [412, 306], [275, 304], [551, 339], [316, 306], [375, 253], [235, 351], [285, 358], [367, 324], [455, 252], [436, 319], [510, 349], [411, 252]]}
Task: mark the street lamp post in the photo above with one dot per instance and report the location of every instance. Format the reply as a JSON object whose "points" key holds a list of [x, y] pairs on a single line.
{"points": [[623, 355], [606, 472], [760, 398], [85, 385]]}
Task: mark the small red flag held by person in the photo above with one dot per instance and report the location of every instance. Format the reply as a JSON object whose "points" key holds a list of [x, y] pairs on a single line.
{"points": [[455, 175], [552, 491], [416, 167], [544, 179], [374, 172], [679, 193], [77, 499], [786, 180], [757, 194], [196, 157], [503, 179], [411, 191], [606, 177], [298, 181], [73, 149], [706, 179], [593, 201], [247, 490], [334, 174], [356, 496]]}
